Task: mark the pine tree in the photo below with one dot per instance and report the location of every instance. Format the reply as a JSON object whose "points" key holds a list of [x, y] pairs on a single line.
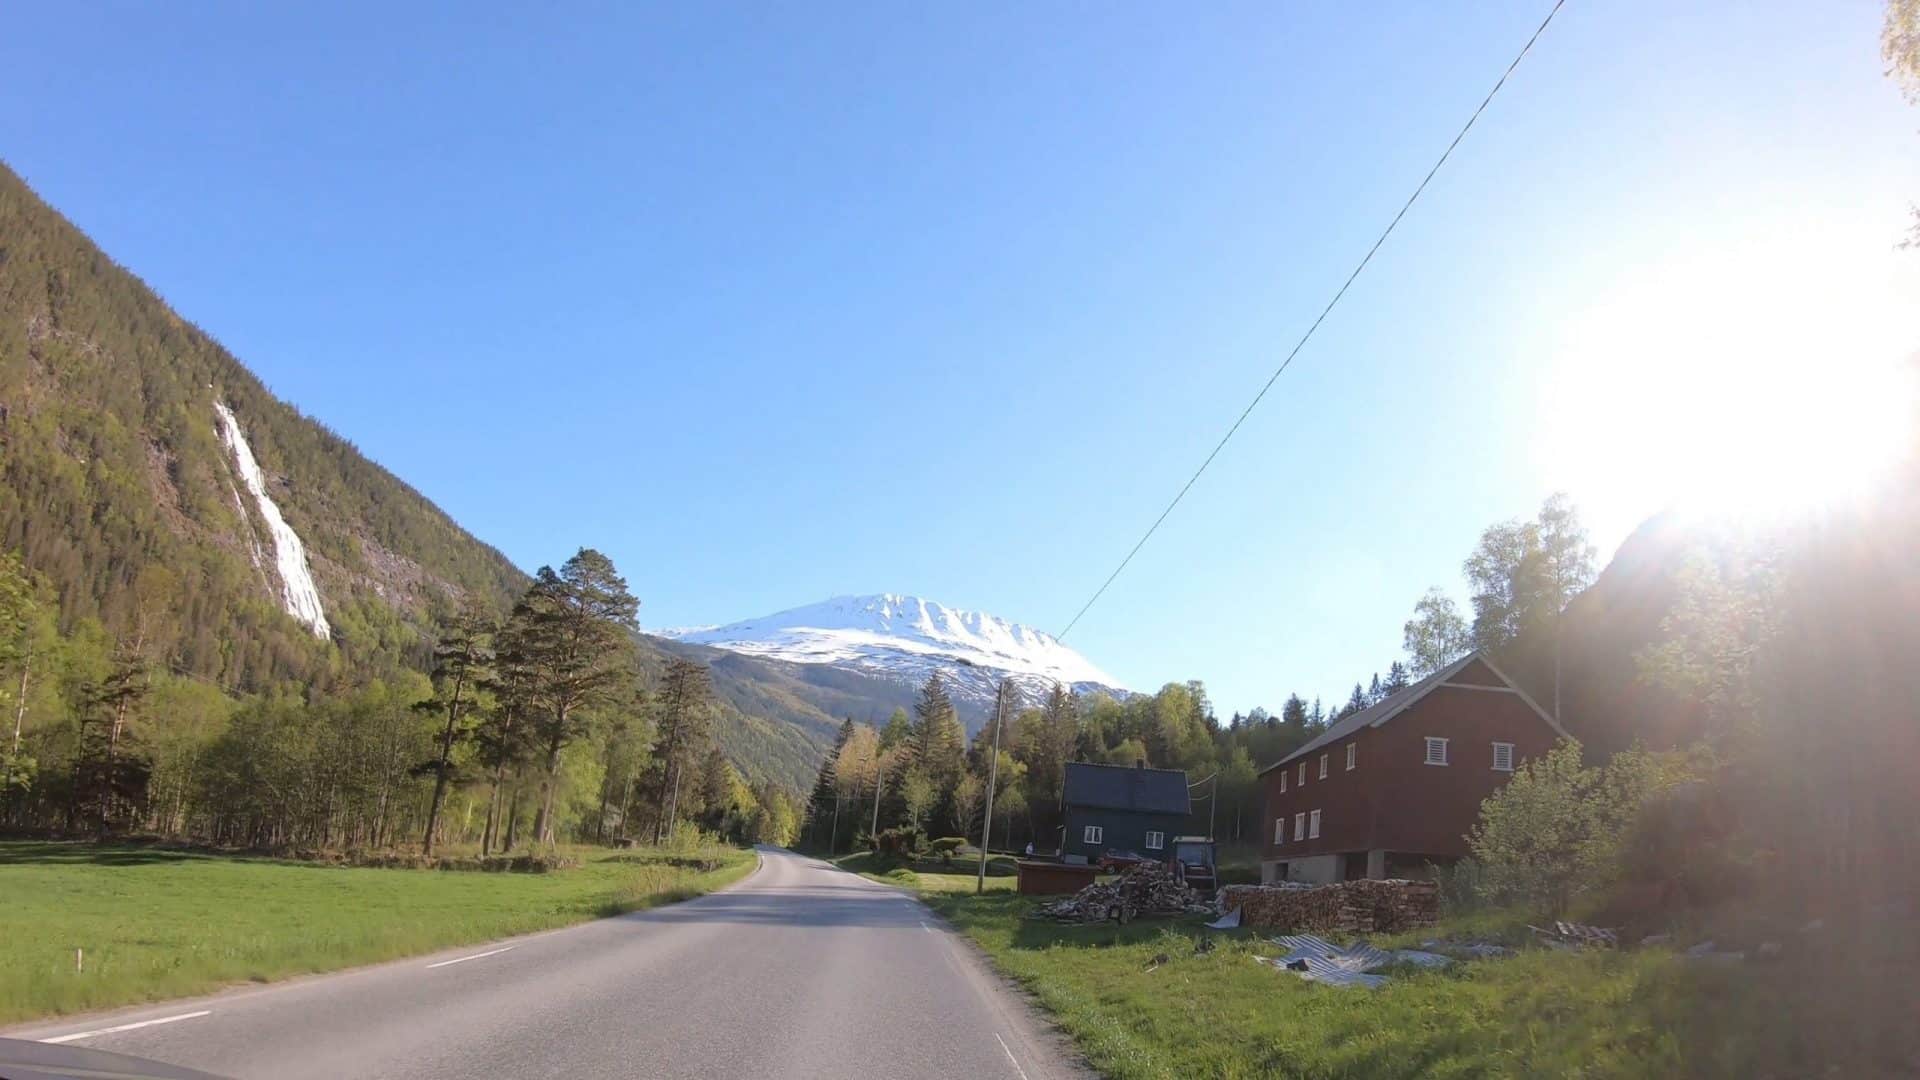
{"points": [[1355, 703], [1293, 715], [938, 740], [825, 786], [503, 743], [110, 776], [684, 730], [461, 660], [1374, 692], [573, 629], [898, 730], [717, 780], [1397, 679]]}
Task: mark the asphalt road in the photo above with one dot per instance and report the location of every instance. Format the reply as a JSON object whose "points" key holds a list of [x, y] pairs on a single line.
{"points": [[801, 970]]}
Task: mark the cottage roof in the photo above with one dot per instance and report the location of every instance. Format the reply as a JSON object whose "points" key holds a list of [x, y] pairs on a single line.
{"points": [[1126, 787], [1400, 701]]}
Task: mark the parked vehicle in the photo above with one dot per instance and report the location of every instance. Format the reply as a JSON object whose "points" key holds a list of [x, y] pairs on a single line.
{"points": [[1194, 861]]}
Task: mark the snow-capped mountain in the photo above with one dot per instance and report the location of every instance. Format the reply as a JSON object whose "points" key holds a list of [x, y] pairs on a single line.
{"points": [[904, 638]]}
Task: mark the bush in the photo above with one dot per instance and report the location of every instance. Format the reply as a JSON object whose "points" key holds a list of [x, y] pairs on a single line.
{"points": [[1462, 886], [903, 840], [946, 847], [1556, 831], [1683, 852]]}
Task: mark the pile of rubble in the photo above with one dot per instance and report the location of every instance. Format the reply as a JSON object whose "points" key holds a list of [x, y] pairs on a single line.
{"points": [[1146, 889], [1346, 907]]}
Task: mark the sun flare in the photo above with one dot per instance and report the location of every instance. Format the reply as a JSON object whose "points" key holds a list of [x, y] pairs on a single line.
{"points": [[1754, 387]]}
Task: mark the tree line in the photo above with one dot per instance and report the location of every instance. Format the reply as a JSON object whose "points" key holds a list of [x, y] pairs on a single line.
{"points": [[921, 774], [528, 728]]}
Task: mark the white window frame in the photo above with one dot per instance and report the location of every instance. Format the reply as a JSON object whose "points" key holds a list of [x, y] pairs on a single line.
{"points": [[1313, 825], [1156, 840], [1279, 831], [1299, 827], [1353, 755], [1093, 834], [1303, 772], [1283, 781], [1323, 766], [1497, 747], [1435, 742]]}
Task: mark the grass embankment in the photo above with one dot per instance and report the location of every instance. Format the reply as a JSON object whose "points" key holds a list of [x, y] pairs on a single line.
{"points": [[932, 875], [156, 923], [1633, 1013]]}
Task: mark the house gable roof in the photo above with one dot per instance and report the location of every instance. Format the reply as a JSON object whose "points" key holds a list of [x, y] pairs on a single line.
{"points": [[1396, 703], [1125, 787]]}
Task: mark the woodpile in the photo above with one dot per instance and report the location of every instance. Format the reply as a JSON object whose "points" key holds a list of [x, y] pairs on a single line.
{"points": [[1145, 889], [1347, 907]]}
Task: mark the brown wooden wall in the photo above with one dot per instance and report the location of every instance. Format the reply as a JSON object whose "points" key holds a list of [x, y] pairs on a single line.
{"points": [[1392, 800]]}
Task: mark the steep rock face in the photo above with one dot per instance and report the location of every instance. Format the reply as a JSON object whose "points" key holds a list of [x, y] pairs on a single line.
{"points": [[903, 639]]}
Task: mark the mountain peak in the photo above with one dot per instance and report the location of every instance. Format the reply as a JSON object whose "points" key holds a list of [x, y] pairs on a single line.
{"points": [[904, 637]]}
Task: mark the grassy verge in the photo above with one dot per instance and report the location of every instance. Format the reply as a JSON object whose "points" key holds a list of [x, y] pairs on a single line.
{"points": [[156, 924], [932, 875], [1634, 1013]]}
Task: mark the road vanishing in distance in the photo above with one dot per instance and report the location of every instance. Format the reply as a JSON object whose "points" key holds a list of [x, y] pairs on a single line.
{"points": [[800, 970]]}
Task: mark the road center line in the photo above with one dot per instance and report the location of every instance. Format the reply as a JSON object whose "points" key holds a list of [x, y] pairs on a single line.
{"points": [[1010, 1057], [126, 1027], [475, 956], [927, 928]]}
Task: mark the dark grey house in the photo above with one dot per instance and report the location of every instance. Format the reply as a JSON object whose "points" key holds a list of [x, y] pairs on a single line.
{"points": [[1121, 808]]}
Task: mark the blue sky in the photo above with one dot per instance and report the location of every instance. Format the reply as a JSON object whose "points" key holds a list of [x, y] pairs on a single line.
{"points": [[779, 302]]}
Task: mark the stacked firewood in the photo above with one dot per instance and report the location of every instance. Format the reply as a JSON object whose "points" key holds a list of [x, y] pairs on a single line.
{"points": [[1349, 907], [1145, 889]]}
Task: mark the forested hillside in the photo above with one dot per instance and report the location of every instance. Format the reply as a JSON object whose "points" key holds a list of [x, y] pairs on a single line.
{"points": [[124, 503], [114, 465]]}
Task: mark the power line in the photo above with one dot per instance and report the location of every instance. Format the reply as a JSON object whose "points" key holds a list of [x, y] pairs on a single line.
{"points": [[1324, 312]]}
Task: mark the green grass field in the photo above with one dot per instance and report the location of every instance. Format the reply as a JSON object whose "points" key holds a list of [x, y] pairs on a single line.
{"points": [[156, 924], [1634, 1013]]}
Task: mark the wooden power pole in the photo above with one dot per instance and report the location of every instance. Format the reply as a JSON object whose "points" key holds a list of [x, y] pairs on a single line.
{"points": [[993, 779]]}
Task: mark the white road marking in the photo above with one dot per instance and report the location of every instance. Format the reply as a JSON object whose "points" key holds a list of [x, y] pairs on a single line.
{"points": [[475, 956], [1010, 1057], [927, 928], [126, 1027]]}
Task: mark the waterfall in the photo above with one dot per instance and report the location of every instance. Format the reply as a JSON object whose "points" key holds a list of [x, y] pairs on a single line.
{"points": [[302, 599]]}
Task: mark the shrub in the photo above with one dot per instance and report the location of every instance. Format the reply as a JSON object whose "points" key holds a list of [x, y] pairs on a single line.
{"points": [[1462, 886], [1556, 831], [946, 847], [904, 840]]}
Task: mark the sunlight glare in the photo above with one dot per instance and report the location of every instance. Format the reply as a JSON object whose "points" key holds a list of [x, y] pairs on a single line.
{"points": [[1747, 383]]}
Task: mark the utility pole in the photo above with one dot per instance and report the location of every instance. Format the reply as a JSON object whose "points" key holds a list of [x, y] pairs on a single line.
{"points": [[879, 785], [1213, 806], [1213, 797], [993, 779]]}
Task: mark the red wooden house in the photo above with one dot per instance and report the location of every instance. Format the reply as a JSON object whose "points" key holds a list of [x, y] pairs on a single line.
{"points": [[1389, 789]]}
